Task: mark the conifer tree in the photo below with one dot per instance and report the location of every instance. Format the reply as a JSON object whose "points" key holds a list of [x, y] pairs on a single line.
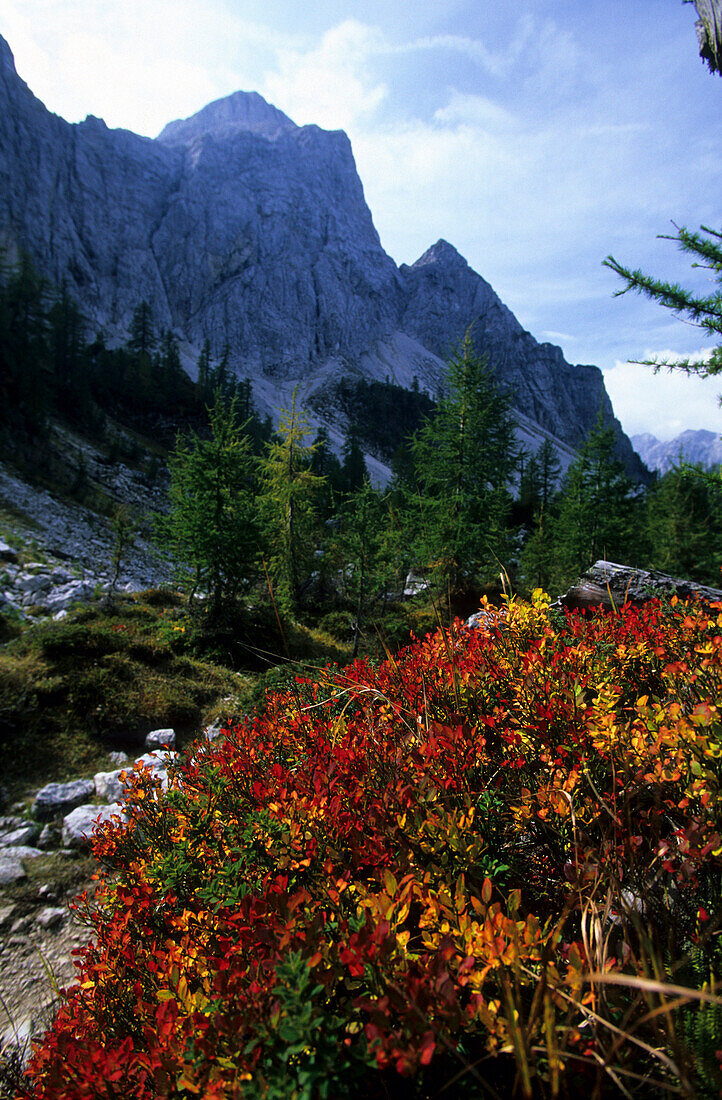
{"points": [[353, 467], [705, 311], [287, 504], [358, 550], [595, 510], [211, 528], [204, 371], [142, 333], [549, 471], [684, 524], [463, 460], [25, 358]]}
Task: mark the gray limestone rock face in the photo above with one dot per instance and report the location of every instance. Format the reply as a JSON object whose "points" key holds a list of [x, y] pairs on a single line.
{"points": [[59, 798], [445, 298], [239, 227]]}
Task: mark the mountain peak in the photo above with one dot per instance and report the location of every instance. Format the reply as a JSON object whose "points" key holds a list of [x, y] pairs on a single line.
{"points": [[7, 61], [441, 253], [241, 112]]}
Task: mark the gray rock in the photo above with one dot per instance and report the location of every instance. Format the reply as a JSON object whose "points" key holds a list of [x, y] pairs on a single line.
{"points": [[239, 226], [108, 785], [11, 868], [25, 834], [78, 825], [7, 913], [160, 739], [58, 798], [49, 838], [51, 917], [7, 554], [22, 851], [213, 732], [158, 762], [118, 758], [33, 585]]}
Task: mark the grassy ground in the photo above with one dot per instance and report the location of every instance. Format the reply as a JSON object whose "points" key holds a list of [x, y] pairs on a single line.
{"points": [[105, 676], [102, 679]]}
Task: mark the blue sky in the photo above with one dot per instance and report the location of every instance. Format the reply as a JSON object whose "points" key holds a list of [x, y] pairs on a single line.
{"points": [[537, 137]]}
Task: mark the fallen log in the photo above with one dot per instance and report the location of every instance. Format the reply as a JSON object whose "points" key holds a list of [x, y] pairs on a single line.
{"points": [[611, 585]]}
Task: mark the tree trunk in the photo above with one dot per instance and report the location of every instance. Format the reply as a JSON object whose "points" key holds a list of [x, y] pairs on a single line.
{"points": [[709, 32]]}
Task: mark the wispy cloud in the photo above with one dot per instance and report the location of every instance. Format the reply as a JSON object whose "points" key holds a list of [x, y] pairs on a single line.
{"points": [[494, 61]]}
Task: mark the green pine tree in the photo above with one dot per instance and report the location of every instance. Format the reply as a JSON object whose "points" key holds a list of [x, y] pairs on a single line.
{"points": [[595, 515], [288, 508], [684, 524], [463, 460], [211, 528], [704, 311]]}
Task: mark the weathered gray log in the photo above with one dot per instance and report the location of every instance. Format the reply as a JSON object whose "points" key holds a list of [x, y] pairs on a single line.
{"points": [[611, 585], [709, 32]]}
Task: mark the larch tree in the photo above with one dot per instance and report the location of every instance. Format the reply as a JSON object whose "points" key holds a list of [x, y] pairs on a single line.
{"points": [[287, 507], [211, 527]]}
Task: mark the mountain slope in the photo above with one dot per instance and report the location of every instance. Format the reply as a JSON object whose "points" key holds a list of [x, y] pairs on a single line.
{"points": [[239, 227], [699, 446]]}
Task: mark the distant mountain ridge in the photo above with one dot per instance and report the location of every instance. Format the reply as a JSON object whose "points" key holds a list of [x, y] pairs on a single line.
{"points": [[238, 226], [695, 446]]}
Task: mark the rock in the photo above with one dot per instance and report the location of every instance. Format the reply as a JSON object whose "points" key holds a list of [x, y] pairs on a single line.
{"points": [[26, 832], [58, 798], [79, 824], [413, 585], [214, 731], [6, 916], [7, 553], [51, 917], [11, 868], [49, 838], [484, 619], [32, 585], [21, 851], [158, 762], [108, 785], [118, 758], [610, 585], [160, 739], [239, 226]]}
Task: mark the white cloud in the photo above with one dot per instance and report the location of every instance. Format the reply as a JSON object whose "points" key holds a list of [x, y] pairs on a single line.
{"points": [[330, 84], [664, 404], [496, 62], [137, 64]]}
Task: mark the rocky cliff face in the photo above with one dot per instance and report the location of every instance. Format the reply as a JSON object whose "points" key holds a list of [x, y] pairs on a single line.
{"points": [[699, 446], [238, 226]]}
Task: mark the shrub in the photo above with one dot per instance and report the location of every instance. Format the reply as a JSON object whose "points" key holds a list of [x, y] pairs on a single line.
{"points": [[454, 870]]}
